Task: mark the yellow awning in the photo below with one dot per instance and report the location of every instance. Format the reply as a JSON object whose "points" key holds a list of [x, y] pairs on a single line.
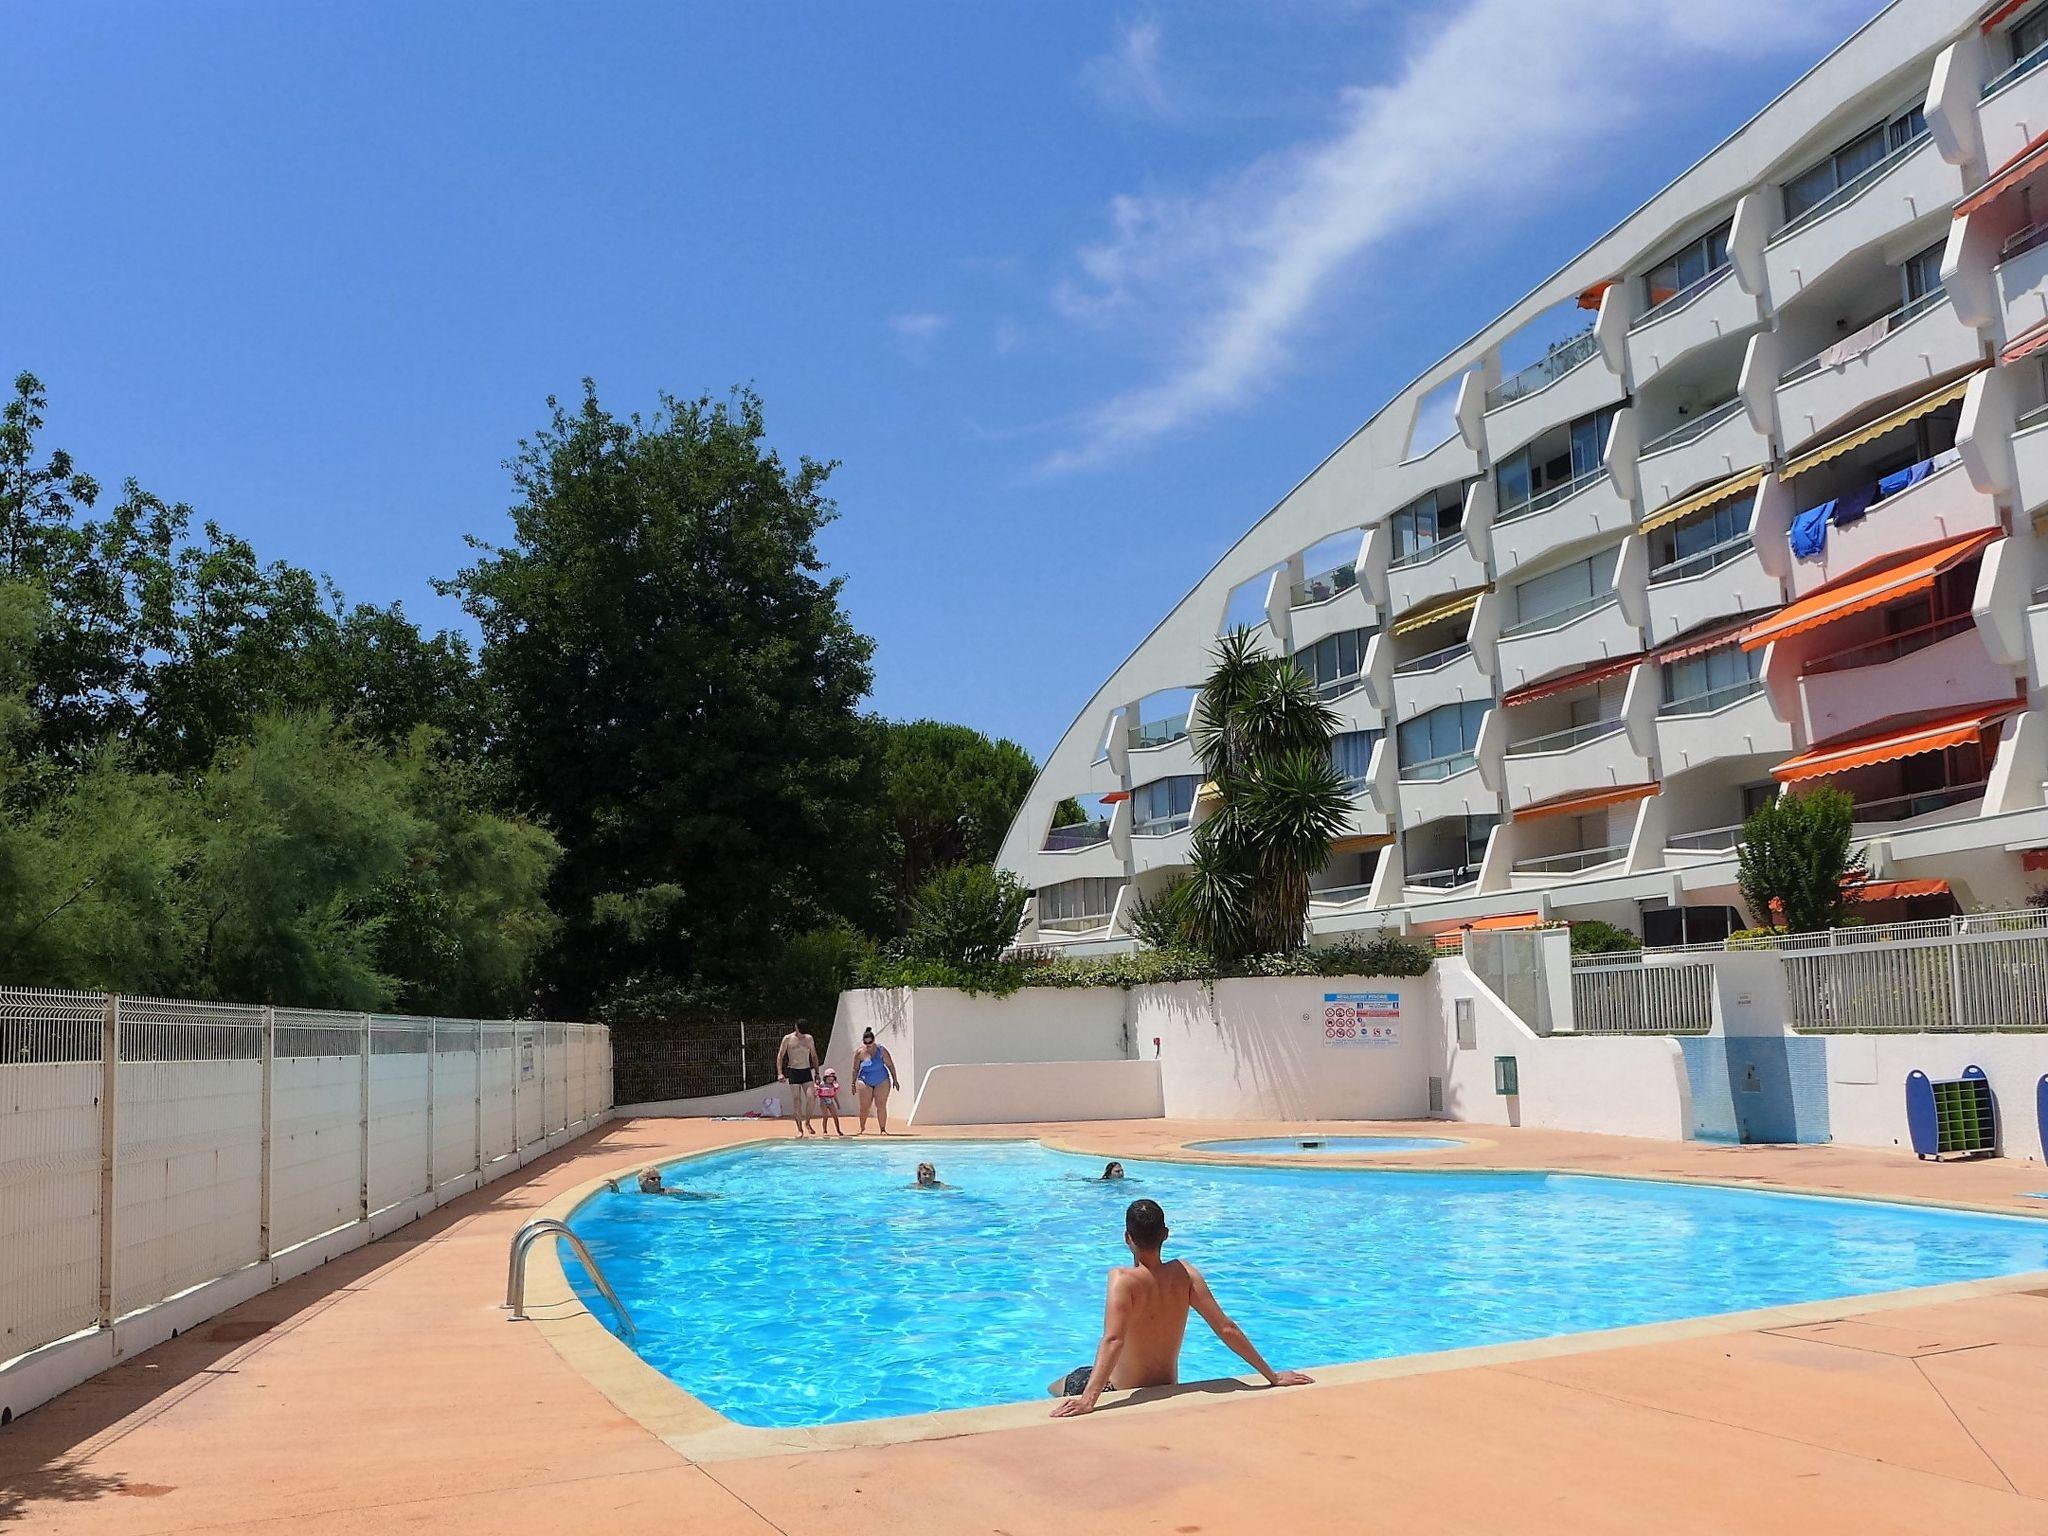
{"points": [[1934, 401], [1363, 842], [1424, 617], [1742, 480]]}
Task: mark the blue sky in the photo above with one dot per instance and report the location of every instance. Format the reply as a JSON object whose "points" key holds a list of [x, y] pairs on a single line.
{"points": [[1074, 291]]}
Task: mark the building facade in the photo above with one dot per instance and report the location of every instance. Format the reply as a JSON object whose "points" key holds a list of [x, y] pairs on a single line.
{"points": [[1742, 499]]}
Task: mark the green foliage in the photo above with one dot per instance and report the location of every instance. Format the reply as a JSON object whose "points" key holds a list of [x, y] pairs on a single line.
{"points": [[1383, 955], [1160, 921], [1793, 857], [1593, 937], [967, 915], [948, 795]]}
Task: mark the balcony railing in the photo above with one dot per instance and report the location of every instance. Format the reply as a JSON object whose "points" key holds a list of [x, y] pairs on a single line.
{"points": [[1904, 807], [1571, 863], [1073, 924], [1080, 834], [1320, 589], [2021, 241], [1433, 769], [1162, 826], [1429, 663], [1558, 618], [1337, 687], [1713, 699], [1557, 495], [1560, 360], [1694, 426], [1683, 297], [1566, 739], [1442, 879], [1339, 895], [1849, 190], [1159, 733], [1428, 552], [1712, 840], [2022, 67], [1905, 313], [1888, 647], [1698, 563]]}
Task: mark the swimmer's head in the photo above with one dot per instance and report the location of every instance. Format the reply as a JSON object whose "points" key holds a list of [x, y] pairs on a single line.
{"points": [[927, 1175], [1113, 1171]]}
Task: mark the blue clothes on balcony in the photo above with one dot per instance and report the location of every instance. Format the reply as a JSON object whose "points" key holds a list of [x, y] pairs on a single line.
{"points": [[1850, 508], [1810, 531], [1898, 480]]}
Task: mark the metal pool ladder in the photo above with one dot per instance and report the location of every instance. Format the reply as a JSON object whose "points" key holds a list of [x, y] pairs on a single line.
{"points": [[515, 1269]]}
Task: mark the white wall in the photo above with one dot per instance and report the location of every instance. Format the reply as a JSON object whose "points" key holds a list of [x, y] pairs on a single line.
{"points": [[937, 1026], [1023, 1092], [1867, 1084]]}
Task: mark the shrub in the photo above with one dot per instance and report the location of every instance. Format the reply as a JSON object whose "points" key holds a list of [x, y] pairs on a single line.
{"points": [[1382, 955], [1593, 937], [967, 915]]}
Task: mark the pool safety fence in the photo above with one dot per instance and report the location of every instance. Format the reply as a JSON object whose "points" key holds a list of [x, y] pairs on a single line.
{"points": [[150, 1145]]}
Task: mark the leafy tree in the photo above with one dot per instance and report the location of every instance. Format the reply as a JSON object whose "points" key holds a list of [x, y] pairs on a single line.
{"points": [[1591, 936], [966, 915], [678, 689], [949, 793], [1794, 856]]}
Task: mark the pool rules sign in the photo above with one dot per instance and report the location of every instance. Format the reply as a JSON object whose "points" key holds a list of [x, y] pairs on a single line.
{"points": [[1361, 1018]]}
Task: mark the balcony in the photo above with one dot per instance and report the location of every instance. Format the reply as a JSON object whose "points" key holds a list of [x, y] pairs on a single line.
{"points": [[1579, 636], [1339, 895], [1079, 835], [1726, 723], [1149, 735], [1910, 184], [1577, 861], [1448, 786], [1348, 608], [1921, 342], [2030, 460], [1707, 846], [1949, 802], [1446, 567], [1728, 578], [1334, 582], [1597, 755], [1587, 508], [1573, 381], [1447, 676], [1941, 507], [1169, 847], [1714, 307], [2014, 108], [1850, 688], [1711, 445], [2022, 278]]}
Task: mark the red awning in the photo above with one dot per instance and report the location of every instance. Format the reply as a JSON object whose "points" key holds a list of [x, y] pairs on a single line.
{"points": [[1894, 890], [1893, 743], [2026, 344], [1592, 800], [2000, 11], [2008, 175], [1114, 796], [1701, 641], [1584, 677], [1864, 591]]}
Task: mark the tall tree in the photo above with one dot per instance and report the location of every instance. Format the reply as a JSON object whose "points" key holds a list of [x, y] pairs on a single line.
{"points": [[1794, 856], [949, 794], [678, 689]]}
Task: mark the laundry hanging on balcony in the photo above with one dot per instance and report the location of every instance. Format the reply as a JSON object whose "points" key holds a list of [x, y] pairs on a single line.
{"points": [[1856, 594], [1856, 343], [1894, 743]]}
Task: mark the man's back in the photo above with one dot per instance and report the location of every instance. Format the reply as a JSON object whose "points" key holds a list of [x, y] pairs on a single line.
{"points": [[1155, 1301]]}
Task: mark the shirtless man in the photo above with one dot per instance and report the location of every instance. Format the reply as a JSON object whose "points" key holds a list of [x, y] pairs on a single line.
{"points": [[1146, 1319], [796, 1063]]}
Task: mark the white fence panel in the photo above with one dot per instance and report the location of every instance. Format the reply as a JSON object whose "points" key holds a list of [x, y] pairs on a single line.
{"points": [[400, 1107], [527, 1051], [500, 1056], [1625, 996], [455, 1101], [49, 1166], [316, 1131]]}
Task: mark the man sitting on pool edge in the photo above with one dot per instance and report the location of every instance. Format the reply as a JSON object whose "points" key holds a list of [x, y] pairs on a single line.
{"points": [[1147, 1317]]}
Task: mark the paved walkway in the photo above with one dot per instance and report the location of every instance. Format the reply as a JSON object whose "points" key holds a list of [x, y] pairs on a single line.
{"points": [[386, 1392]]}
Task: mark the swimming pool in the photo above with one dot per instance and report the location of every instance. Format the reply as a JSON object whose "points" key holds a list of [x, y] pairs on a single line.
{"points": [[820, 1287], [1312, 1146]]}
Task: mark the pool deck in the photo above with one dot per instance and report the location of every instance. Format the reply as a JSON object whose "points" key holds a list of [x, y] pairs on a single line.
{"points": [[386, 1392]]}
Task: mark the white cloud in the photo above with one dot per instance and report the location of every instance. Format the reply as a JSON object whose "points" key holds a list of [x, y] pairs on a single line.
{"points": [[917, 333], [1127, 78], [1500, 99]]}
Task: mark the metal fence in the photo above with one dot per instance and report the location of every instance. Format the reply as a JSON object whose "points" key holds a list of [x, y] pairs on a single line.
{"points": [[149, 1145], [1622, 995]]}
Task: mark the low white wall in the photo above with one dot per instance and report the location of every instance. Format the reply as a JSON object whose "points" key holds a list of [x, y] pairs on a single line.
{"points": [[740, 1101], [1617, 1085], [1012, 1093], [938, 1026], [1867, 1084], [1257, 1049]]}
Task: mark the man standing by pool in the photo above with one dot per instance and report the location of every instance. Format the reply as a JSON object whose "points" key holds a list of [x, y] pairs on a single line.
{"points": [[1146, 1319], [796, 1063]]}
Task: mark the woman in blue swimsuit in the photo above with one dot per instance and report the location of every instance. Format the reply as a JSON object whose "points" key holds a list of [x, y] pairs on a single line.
{"points": [[874, 1074]]}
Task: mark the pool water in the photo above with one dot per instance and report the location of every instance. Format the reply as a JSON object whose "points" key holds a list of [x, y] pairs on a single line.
{"points": [[821, 1287], [1311, 1146]]}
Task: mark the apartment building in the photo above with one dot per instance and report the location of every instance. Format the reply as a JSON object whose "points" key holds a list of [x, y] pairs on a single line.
{"points": [[1743, 499]]}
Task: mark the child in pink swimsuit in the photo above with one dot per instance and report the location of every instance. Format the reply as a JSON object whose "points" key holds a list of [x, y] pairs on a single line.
{"points": [[828, 1101]]}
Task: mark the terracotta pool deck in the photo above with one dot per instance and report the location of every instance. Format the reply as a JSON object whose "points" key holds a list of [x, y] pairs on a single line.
{"points": [[387, 1392]]}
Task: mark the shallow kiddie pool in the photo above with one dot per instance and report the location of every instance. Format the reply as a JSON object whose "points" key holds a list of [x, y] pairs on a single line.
{"points": [[1311, 1146], [821, 1287]]}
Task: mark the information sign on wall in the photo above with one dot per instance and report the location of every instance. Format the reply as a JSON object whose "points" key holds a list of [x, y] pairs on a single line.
{"points": [[1362, 1018]]}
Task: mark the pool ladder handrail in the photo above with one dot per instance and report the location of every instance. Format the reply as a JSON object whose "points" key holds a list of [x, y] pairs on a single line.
{"points": [[515, 1269]]}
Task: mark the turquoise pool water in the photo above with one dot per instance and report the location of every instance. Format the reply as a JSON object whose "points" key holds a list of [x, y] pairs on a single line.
{"points": [[821, 1287], [1310, 1146]]}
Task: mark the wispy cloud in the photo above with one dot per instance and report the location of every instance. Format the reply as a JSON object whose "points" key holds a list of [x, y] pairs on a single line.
{"points": [[1495, 98], [917, 333], [1127, 78]]}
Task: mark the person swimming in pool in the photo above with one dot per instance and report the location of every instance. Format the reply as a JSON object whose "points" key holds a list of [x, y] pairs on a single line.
{"points": [[649, 1182], [1146, 1318], [1112, 1171], [928, 1177], [874, 1072]]}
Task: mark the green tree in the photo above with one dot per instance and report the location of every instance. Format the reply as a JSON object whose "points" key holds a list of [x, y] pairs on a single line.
{"points": [[1794, 856], [1591, 936], [678, 691], [966, 915], [949, 794]]}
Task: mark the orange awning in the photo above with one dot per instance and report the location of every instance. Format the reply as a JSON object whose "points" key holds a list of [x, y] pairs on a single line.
{"points": [[1893, 743], [2008, 175], [1591, 298], [1701, 641], [1856, 594], [2026, 344], [1584, 677], [1894, 890], [1505, 920], [1591, 800]]}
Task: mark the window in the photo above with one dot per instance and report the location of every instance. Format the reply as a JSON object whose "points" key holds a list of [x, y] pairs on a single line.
{"points": [[1334, 662], [1921, 274], [1440, 743], [1723, 525], [1814, 186], [1755, 797], [1696, 684], [1163, 806], [1351, 754], [1078, 901], [2029, 33], [1695, 263], [1426, 522], [1523, 477], [1564, 593]]}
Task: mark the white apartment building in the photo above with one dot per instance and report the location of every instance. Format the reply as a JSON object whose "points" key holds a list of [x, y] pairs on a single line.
{"points": [[1765, 516]]}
